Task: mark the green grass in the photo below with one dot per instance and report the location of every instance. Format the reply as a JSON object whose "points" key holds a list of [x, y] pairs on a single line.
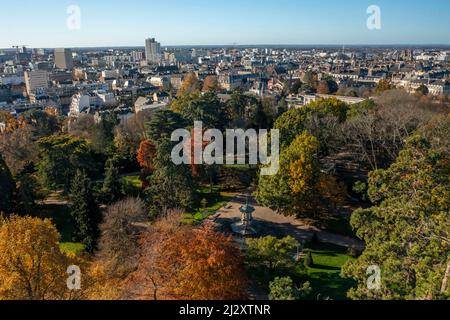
{"points": [[215, 199], [324, 276], [133, 180], [70, 247]]}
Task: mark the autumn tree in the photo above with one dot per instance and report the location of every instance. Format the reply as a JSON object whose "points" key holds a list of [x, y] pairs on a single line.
{"points": [[293, 190], [146, 157], [374, 134], [212, 267], [117, 254], [210, 83], [383, 85], [182, 262], [407, 230], [190, 85], [32, 266], [19, 148]]}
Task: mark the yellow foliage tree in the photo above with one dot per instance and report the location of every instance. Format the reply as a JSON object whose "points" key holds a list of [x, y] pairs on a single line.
{"points": [[32, 267], [190, 85]]}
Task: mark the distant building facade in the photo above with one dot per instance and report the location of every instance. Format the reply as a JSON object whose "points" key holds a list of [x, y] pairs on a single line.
{"points": [[36, 80], [63, 59], [152, 51]]}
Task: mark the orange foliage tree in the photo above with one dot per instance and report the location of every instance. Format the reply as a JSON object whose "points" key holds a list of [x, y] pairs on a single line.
{"points": [[179, 261], [145, 156]]}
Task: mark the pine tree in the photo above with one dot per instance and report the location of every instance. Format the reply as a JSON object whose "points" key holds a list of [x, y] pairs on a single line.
{"points": [[7, 188], [84, 211], [112, 186]]}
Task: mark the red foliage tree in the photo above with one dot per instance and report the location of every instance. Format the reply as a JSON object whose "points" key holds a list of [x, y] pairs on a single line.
{"points": [[145, 156]]}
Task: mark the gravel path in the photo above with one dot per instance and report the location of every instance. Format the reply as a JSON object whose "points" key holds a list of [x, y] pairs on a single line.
{"points": [[268, 222]]}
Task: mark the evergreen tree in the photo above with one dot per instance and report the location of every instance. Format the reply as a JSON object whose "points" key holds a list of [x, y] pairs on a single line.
{"points": [[7, 188], [84, 211], [112, 186], [407, 231]]}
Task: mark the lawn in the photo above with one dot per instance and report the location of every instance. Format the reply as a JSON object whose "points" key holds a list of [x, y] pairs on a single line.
{"points": [[215, 200], [60, 216], [70, 247], [132, 184], [324, 276]]}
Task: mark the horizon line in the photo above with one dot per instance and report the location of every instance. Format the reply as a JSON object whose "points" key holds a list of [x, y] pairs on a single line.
{"points": [[281, 45]]}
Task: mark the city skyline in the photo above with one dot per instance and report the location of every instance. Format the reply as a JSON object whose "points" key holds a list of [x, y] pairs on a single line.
{"points": [[288, 22]]}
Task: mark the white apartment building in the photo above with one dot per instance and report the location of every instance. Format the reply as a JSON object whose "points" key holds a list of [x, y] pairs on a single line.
{"points": [[36, 81]]}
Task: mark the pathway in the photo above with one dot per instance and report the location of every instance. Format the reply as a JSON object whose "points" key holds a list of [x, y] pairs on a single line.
{"points": [[271, 223]]}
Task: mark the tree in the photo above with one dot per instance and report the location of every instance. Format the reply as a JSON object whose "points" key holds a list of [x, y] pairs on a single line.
{"points": [[284, 289], [26, 191], [19, 148], [294, 189], [271, 253], [323, 87], [318, 117], [212, 267], [205, 107], [7, 188], [332, 191], [120, 230], [84, 211], [61, 157], [383, 85], [43, 124], [163, 124], [407, 230], [211, 83], [240, 107], [112, 185], [102, 133], [178, 261], [32, 266], [375, 134], [190, 85], [146, 157], [422, 90], [170, 186]]}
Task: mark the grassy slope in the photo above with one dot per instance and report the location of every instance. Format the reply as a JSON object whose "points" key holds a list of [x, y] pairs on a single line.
{"points": [[324, 276]]}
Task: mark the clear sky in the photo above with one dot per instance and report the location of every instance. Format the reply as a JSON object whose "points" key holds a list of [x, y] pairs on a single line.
{"points": [[43, 23]]}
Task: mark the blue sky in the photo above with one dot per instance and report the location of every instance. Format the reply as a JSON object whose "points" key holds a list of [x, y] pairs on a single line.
{"points": [[42, 23]]}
